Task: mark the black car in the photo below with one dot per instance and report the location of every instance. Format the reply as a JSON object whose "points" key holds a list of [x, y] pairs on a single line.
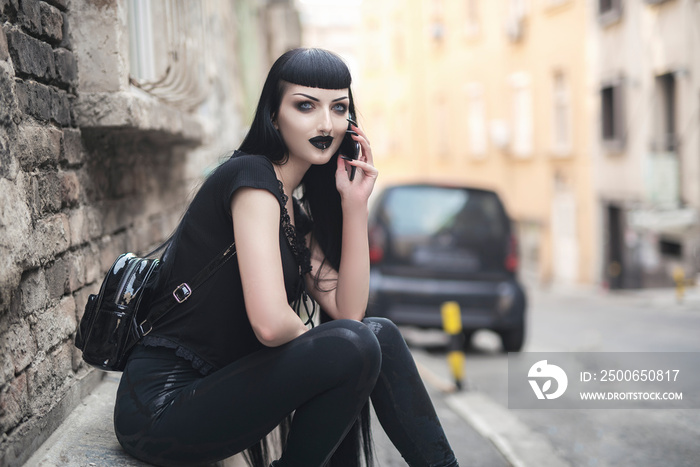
{"points": [[430, 244]]}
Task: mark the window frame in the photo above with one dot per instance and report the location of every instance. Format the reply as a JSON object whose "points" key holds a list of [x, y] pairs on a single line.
{"points": [[610, 15], [616, 142], [561, 104]]}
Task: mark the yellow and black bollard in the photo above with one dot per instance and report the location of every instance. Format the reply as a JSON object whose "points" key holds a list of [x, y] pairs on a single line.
{"points": [[679, 279], [452, 324]]}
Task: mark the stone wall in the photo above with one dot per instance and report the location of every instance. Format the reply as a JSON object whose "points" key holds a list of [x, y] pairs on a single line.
{"points": [[89, 168], [71, 200]]}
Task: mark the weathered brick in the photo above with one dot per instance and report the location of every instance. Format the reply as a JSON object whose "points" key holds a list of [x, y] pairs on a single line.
{"points": [[34, 99], [57, 279], [75, 264], [44, 194], [30, 56], [30, 16], [66, 67], [84, 224], [7, 370], [93, 267], [66, 42], [78, 226], [73, 150], [16, 219], [4, 51], [51, 236], [8, 106], [51, 22], [60, 107], [46, 376], [37, 146], [62, 4], [70, 188], [8, 164], [49, 192], [14, 403], [40, 381], [9, 8], [34, 291], [55, 324], [19, 345]]}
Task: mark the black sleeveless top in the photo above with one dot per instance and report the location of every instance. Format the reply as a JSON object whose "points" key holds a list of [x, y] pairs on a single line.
{"points": [[211, 328]]}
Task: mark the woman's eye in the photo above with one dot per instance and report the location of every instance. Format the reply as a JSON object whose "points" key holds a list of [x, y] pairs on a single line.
{"points": [[341, 108], [305, 106]]}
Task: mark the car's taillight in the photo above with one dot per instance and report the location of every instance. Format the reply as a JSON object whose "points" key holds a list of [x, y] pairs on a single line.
{"points": [[511, 262], [376, 244]]}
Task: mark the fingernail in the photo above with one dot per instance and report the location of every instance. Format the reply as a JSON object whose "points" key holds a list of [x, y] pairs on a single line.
{"points": [[352, 121], [346, 158]]}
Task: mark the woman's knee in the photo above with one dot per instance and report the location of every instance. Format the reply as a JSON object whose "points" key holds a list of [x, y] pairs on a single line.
{"points": [[386, 332], [361, 345]]}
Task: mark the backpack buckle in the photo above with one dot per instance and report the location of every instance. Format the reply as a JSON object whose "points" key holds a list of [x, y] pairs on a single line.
{"points": [[182, 292]]}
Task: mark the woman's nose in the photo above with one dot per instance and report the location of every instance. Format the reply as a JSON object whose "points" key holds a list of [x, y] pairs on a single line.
{"points": [[325, 124]]}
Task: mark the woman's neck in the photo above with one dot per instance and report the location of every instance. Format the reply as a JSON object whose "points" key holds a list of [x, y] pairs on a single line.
{"points": [[290, 174]]}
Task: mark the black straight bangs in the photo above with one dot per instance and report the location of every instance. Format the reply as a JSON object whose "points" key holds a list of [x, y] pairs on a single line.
{"points": [[316, 68]]}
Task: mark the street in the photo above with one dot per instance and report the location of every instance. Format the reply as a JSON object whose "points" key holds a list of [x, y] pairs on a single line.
{"points": [[577, 321]]}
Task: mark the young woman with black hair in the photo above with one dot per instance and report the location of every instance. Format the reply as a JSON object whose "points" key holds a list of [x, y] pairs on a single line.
{"points": [[224, 368]]}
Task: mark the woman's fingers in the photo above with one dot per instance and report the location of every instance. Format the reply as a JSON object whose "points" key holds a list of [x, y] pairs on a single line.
{"points": [[366, 167], [364, 144]]}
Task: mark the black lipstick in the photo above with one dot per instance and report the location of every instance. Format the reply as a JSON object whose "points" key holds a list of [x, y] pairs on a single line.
{"points": [[321, 142]]}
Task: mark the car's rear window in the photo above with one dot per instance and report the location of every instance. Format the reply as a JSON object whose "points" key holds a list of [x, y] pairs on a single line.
{"points": [[470, 215]]}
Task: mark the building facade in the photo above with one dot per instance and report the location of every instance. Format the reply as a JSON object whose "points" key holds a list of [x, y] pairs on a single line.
{"points": [[647, 139], [110, 113]]}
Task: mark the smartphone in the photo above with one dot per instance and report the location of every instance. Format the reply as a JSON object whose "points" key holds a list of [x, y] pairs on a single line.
{"points": [[350, 148]]}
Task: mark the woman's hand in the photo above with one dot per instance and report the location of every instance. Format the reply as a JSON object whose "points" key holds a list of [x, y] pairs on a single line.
{"points": [[358, 190]]}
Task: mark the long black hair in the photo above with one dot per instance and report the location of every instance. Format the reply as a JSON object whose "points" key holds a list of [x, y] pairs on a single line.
{"points": [[315, 68]]}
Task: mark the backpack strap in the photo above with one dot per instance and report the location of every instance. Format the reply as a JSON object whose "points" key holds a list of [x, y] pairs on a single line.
{"points": [[185, 290]]}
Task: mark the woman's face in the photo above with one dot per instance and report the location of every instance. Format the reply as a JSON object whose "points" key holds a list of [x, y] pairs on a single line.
{"points": [[312, 122]]}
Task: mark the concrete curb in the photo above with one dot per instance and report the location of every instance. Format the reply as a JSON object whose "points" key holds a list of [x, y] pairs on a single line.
{"points": [[86, 438], [521, 446], [517, 443]]}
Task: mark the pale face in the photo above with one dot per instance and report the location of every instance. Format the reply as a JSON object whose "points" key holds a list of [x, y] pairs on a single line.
{"points": [[312, 122]]}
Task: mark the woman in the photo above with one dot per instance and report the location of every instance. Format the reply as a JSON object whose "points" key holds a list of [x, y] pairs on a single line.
{"points": [[229, 364]]}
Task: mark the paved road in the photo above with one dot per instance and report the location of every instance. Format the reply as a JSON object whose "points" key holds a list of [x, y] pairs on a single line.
{"points": [[584, 322]]}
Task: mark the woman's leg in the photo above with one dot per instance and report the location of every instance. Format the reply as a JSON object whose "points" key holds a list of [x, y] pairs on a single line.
{"points": [[325, 376], [402, 403]]}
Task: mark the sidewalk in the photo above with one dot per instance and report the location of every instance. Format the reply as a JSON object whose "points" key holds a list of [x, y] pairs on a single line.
{"points": [[86, 438]]}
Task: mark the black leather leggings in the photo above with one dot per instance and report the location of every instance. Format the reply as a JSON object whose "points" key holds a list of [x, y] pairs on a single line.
{"points": [[167, 414]]}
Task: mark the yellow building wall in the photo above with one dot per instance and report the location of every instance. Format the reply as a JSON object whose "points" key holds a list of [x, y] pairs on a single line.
{"points": [[420, 61]]}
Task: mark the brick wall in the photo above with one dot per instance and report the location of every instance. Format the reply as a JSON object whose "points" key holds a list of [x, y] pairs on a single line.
{"points": [[71, 200]]}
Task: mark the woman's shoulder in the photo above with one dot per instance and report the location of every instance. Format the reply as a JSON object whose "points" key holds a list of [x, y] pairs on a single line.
{"points": [[244, 162], [247, 170]]}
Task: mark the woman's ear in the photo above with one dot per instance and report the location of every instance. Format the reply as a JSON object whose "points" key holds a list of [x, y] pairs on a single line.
{"points": [[273, 119]]}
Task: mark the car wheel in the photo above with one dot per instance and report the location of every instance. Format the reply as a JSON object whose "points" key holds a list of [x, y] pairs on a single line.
{"points": [[513, 339]]}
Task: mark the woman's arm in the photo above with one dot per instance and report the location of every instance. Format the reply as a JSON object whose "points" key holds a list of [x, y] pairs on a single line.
{"points": [[348, 299], [256, 215]]}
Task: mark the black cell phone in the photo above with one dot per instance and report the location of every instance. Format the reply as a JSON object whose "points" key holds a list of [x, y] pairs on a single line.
{"points": [[350, 148]]}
